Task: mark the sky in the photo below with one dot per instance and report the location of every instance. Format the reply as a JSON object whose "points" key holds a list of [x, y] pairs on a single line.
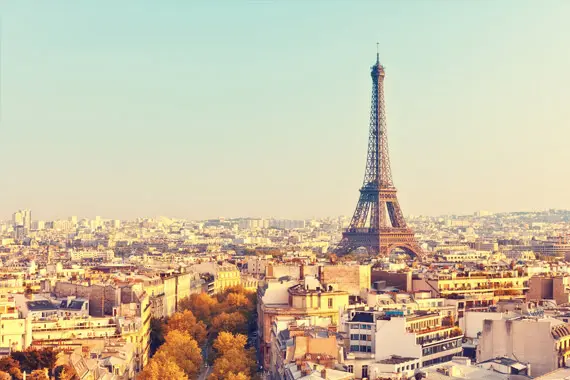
{"points": [[203, 109]]}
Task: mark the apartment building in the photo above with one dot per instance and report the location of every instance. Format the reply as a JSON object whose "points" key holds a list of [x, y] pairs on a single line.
{"points": [[14, 330], [226, 276], [544, 343], [550, 287], [423, 338], [306, 298], [473, 289]]}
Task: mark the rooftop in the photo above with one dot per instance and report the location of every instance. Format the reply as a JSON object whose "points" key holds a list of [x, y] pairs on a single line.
{"points": [[40, 305], [395, 359]]}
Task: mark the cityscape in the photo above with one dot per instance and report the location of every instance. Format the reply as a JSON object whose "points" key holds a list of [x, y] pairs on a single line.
{"points": [[384, 293]]}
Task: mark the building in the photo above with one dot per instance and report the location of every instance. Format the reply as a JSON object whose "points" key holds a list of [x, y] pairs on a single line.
{"points": [[307, 298], [473, 289], [549, 287], [544, 343], [423, 338], [15, 332], [226, 276]]}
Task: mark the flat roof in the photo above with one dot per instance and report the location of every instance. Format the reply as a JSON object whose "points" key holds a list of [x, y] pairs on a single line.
{"points": [[395, 359]]}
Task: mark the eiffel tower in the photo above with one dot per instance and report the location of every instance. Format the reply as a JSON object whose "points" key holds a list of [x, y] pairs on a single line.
{"points": [[378, 224]]}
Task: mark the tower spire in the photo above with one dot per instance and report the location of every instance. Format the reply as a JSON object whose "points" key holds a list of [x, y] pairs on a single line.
{"points": [[377, 53]]}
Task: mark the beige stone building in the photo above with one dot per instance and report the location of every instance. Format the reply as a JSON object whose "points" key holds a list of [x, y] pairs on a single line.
{"points": [[307, 298], [226, 276], [544, 343], [555, 288]]}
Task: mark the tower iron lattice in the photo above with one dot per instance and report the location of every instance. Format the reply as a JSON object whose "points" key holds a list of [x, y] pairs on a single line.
{"points": [[378, 224]]}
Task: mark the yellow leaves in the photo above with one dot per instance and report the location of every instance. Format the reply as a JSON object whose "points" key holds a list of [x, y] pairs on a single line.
{"points": [[179, 357], [184, 351], [234, 360], [227, 341], [5, 376], [238, 300], [186, 322], [160, 367], [232, 322], [38, 374], [238, 376], [202, 305]]}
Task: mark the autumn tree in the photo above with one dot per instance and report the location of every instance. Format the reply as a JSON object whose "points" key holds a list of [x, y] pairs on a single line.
{"points": [[233, 359], [5, 376], [238, 301], [201, 305], [231, 322], [161, 367], [33, 359], [238, 376], [65, 372], [184, 351], [186, 323], [11, 366], [38, 374]]}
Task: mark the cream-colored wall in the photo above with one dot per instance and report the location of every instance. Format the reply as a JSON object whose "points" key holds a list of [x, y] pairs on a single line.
{"points": [[526, 340]]}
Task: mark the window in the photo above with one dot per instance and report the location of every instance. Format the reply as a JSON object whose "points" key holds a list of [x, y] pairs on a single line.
{"points": [[363, 327], [354, 348], [353, 336], [363, 337], [365, 349], [364, 371], [350, 368], [330, 303]]}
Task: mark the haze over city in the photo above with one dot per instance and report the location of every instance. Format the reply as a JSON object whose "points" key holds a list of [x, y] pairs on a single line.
{"points": [[193, 110]]}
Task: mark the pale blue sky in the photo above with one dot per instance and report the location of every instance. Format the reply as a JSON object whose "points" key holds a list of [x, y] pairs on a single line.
{"points": [[201, 109]]}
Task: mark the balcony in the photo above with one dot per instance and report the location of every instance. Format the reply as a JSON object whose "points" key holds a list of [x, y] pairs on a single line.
{"points": [[62, 328], [442, 334]]}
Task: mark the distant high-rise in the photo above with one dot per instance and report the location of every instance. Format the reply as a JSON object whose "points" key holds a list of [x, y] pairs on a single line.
{"points": [[22, 218]]}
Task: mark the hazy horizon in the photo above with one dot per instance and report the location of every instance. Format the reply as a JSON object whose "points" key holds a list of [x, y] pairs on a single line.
{"points": [[195, 110]]}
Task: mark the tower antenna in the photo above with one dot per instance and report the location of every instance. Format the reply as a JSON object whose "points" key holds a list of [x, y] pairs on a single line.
{"points": [[377, 52]]}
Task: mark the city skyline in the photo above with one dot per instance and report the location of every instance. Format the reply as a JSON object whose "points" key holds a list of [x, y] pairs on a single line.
{"points": [[189, 112]]}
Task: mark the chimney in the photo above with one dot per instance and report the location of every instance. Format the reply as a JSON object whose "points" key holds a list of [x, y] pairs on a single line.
{"points": [[302, 271], [324, 373]]}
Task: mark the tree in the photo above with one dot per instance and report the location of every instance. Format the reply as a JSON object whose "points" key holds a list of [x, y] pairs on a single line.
{"points": [[233, 358], [38, 374], [227, 341], [11, 366], [186, 322], [238, 376], [184, 351], [161, 367], [202, 305], [233, 322], [238, 300], [33, 359], [65, 372], [5, 376]]}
